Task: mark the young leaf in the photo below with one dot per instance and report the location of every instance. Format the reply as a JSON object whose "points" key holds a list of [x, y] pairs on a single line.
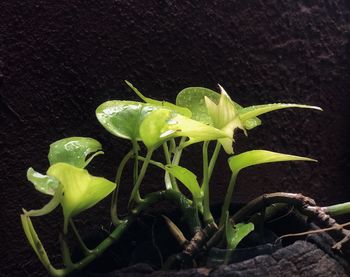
{"points": [[251, 112], [123, 118], [43, 183], [156, 128], [255, 157], [74, 150], [163, 124], [171, 106], [193, 99], [81, 190], [188, 178], [235, 234]]}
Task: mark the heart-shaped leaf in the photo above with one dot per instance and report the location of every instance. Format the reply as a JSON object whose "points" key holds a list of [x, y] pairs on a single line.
{"points": [[255, 157], [81, 190], [180, 110], [43, 183], [123, 118], [188, 178], [74, 151]]}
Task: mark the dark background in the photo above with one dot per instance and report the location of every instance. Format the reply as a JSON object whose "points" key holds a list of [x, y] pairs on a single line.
{"points": [[60, 59]]}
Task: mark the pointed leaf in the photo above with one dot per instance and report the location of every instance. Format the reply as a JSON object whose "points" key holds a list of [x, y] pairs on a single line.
{"points": [[188, 178], [253, 111], [123, 118], [43, 183], [74, 151], [171, 106], [255, 157], [81, 190]]}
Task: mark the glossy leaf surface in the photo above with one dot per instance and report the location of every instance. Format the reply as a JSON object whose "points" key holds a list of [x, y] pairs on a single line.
{"points": [[81, 190], [171, 106], [255, 157], [186, 177], [43, 183], [123, 118], [193, 99], [74, 151]]}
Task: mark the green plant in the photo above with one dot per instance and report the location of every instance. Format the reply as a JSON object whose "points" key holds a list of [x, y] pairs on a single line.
{"points": [[201, 116]]}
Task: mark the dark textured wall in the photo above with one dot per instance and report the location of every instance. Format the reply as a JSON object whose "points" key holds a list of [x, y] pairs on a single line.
{"points": [[60, 59]]}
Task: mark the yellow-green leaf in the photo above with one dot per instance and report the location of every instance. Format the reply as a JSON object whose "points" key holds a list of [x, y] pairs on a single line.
{"points": [[81, 190], [255, 157]]}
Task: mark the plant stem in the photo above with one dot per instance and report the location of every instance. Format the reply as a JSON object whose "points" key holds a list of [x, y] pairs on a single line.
{"points": [[170, 181], [135, 149], [228, 198], [114, 206], [213, 159], [208, 218], [155, 163], [135, 194], [178, 152], [83, 246], [339, 209]]}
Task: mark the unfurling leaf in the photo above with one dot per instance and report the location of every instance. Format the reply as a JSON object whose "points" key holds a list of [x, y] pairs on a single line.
{"points": [[74, 151], [255, 157]]}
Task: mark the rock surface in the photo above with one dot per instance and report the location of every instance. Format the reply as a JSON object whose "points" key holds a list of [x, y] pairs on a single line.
{"points": [[302, 259]]}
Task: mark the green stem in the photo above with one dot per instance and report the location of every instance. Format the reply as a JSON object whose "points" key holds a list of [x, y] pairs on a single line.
{"points": [[66, 256], [135, 194], [135, 149], [83, 246], [114, 206], [152, 162], [338, 209], [208, 218], [228, 197], [213, 159], [178, 152], [170, 181]]}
